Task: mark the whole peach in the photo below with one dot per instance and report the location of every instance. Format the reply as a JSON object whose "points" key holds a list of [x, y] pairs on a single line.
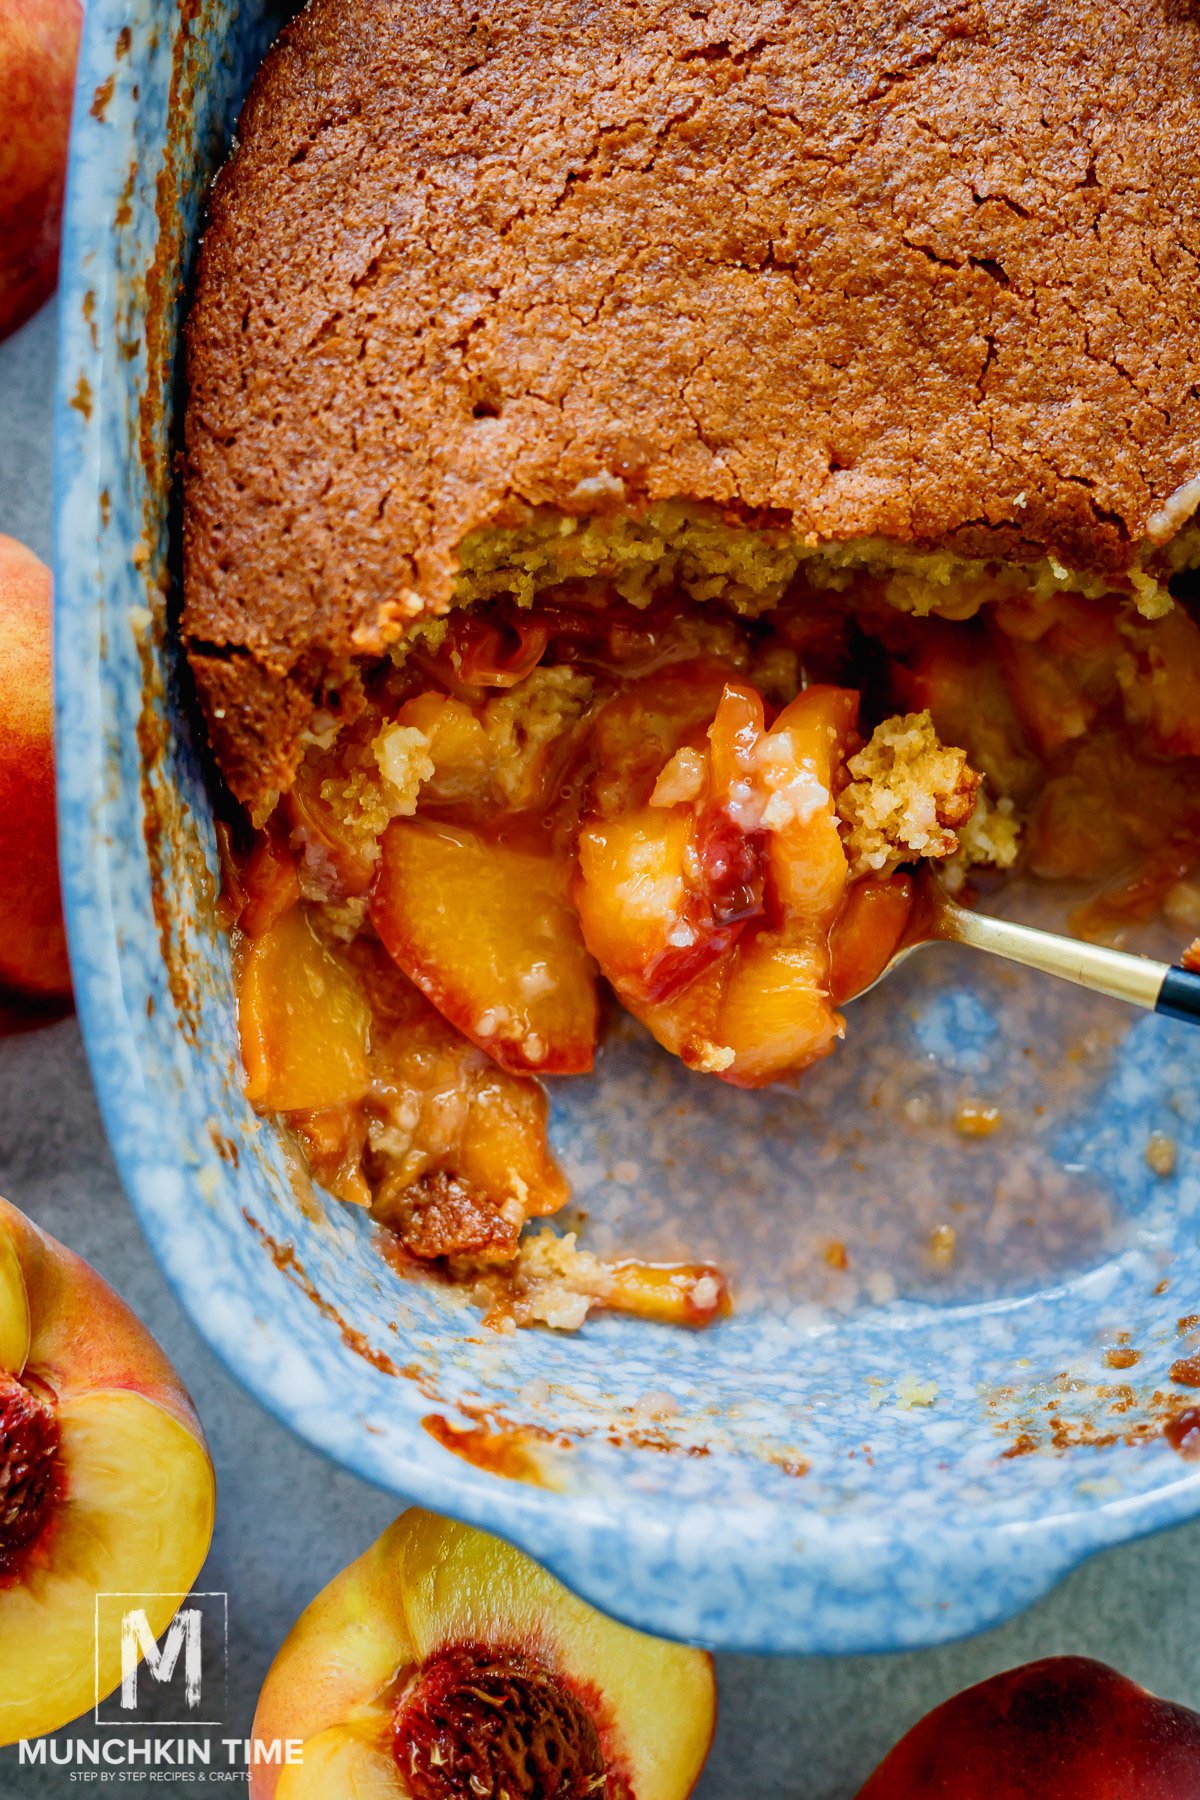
{"points": [[39, 42], [1066, 1728], [33, 949]]}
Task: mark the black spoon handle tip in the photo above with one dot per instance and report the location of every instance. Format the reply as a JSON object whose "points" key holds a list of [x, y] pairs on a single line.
{"points": [[1179, 996]]}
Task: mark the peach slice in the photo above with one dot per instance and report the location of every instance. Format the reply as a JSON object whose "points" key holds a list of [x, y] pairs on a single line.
{"points": [[474, 1163], [33, 944], [955, 675], [868, 932], [636, 733], [466, 1159], [271, 883], [649, 915], [303, 1020], [445, 1663], [39, 40], [1160, 690], [710, 907], [486, 932], [1065, 1728], [107, 1481]]}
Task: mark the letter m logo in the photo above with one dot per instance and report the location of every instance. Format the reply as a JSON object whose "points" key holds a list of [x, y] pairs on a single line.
{"points": [[137, 1641], [175, 1679]]}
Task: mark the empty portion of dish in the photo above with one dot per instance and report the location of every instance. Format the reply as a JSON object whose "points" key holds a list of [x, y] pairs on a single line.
{"points": [[711, 807]]}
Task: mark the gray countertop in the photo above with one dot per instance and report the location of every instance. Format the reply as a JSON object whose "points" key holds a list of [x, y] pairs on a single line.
{"points": [[789, 1729]]}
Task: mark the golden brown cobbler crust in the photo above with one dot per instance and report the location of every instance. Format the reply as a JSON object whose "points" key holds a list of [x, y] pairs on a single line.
{"points": [[925, 271]]}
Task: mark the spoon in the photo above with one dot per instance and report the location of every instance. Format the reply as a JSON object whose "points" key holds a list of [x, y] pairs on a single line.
{"points": [[937, 919]]}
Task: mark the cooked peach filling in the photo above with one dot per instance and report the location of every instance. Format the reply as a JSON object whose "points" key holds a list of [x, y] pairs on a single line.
{"points": [[717, 816]]}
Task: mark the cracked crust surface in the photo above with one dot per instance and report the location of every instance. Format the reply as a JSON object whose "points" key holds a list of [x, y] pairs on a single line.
{"points": [[922, 271]]}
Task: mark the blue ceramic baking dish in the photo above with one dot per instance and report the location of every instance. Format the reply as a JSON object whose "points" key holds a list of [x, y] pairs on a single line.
{"points": [[948, 1377]]}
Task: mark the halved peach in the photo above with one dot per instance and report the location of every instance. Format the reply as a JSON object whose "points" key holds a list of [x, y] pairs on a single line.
{"points": [[445, 1663], [486, 932], [106, 1480]]}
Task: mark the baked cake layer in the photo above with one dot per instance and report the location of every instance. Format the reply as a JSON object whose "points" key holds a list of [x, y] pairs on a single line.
{"points": [[916, 278]]}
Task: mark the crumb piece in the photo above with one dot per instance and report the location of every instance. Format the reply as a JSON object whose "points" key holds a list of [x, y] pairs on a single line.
{"points": [[342, 920], [943, 1241], [1190, 959], [976, 1118], [522, 723], [440, 1215], [907, 796], [710, 1059], [910, 1392], [835, 1255], [706, 1294], [657, 1405], [881, 1287], [402, 753], [1161, 1153], [382, 786], [990, 838], [557, 1284], [681, 780]]}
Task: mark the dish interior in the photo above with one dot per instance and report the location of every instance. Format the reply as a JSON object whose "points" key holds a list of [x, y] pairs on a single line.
{"points": [[950, 1370]]}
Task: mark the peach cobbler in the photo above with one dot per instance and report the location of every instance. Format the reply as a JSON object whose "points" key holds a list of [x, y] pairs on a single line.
{"points": [[654, 478]]}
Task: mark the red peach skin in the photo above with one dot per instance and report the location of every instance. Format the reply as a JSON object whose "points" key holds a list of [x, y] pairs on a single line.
{"points": [[1063, 1729], [33, 945], [39, 42]]}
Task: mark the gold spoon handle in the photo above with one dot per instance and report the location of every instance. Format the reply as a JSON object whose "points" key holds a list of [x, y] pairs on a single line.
{"points": [[1158, 986]]}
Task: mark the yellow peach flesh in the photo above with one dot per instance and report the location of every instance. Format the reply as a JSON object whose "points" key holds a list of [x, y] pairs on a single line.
{"points": [[486, 932], [345, 1763], [303, 1021], [14, 1308], [136, 1518]]}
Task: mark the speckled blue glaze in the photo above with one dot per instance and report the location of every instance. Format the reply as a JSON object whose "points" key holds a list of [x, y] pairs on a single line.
{"points": [[716, 1534]]}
